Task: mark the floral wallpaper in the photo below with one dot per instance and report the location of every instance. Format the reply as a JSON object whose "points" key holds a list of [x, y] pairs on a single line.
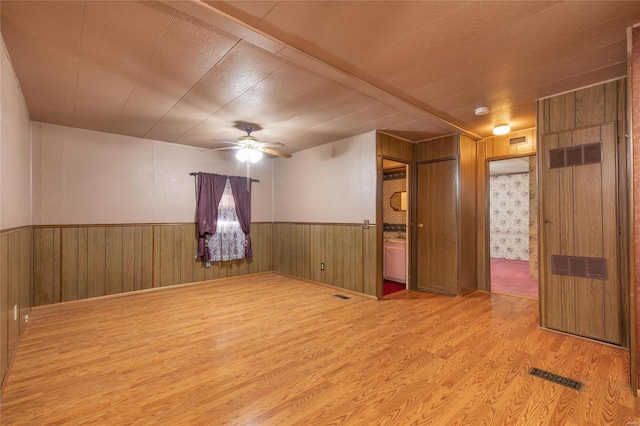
{"points": [[509, 216], [533, 220], [389, 215]]}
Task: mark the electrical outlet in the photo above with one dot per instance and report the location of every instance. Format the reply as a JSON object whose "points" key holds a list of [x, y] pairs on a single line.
{"points": [[207, 264], [26, 318], [15, 312], [322, 266]]}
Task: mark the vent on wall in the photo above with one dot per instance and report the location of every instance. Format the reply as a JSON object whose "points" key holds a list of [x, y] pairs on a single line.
{"points": [[516, 141], [579, 155], [583, 267]]}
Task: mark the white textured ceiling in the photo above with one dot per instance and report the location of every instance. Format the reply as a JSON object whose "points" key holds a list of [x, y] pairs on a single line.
{"points": [[306, 72]]}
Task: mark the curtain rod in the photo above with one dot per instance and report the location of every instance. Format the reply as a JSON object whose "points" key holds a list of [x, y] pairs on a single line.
{"points": [[196, 174]]}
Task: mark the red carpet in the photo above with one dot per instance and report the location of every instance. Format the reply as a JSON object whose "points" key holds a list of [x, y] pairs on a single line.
{"points": [[512, 277], [392, 287]]}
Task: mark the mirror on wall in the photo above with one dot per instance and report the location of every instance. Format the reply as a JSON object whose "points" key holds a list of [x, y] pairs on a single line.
{"points": [[398, 201]]}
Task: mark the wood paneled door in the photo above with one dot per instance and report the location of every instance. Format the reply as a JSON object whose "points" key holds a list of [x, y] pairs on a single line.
{"points": [[437, 227], [580, 281]]}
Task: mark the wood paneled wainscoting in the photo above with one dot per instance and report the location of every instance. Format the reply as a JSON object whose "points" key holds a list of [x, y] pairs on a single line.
{"points": [[15, 291], [348, 252], [83, 261]]}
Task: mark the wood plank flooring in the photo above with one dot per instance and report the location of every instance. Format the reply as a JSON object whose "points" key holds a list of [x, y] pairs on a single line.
{"points": [[268, 349]]}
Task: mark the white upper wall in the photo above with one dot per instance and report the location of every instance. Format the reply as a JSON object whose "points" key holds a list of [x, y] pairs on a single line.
{"points": [[15, 150], [332, 183], [88, 177]]}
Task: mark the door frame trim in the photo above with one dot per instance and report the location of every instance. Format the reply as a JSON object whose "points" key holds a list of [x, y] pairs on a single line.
{"points": [[487, 215]]}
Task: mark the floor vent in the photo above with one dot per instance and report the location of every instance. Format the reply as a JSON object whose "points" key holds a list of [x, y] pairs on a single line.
{"points": [[556, 379], [341, 296]]}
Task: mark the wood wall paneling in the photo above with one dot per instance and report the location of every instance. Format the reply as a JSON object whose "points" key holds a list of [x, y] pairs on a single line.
{"points": [[482, 243], [70, 267], [583, 108], [347, 251], [369, 276], [501, 147], [83, 263], [392, 147], [15, 288], [468, 218], [146, 257], [46, 256], [113, 262], [262, 243], [13, 276], [91, 261], [562, 112], [437, 149], [116, 259], [96, 261], [128, 259], [589, 106], [4, 306], [26, 269]]}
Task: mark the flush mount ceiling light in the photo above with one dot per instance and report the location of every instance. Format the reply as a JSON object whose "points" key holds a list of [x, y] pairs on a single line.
{"points": [[482, 110], [501, 129]]}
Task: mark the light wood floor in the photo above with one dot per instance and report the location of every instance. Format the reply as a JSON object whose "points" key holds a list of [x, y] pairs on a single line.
{"points": [[268, 350]]}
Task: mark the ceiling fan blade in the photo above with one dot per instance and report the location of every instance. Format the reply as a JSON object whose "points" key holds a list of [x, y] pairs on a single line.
{"points": [[222, 141], [272, 144], [226, 148], [276, 153]]}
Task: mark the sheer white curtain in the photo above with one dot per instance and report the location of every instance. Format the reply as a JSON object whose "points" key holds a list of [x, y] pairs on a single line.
{"points": [[228, 242]]}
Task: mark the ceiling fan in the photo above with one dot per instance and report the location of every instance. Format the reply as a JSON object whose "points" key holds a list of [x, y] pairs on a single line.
{"points": [[250, 148]]}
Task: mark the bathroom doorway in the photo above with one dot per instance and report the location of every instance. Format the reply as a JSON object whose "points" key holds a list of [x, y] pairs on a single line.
{"points": [[513, 227], [395, 218]]}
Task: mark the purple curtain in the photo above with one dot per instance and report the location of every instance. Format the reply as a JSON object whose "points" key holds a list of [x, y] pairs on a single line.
{"points": [[242, 199], [210, 189]]}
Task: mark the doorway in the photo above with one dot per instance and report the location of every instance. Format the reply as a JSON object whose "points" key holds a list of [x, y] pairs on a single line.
{"points": [[395, 218], [513, 233]]}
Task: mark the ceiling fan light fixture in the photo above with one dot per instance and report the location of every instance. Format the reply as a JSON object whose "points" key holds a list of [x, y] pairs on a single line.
{"points": [[251, 154], [501, 129], [255, 155], [242, 155]]}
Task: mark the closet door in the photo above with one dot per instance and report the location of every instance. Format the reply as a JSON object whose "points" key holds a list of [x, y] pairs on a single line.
{"points": [[580, 289], [437, 227]]}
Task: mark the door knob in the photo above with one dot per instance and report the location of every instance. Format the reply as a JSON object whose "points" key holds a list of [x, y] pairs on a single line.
{"points": [[420, 225]]}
